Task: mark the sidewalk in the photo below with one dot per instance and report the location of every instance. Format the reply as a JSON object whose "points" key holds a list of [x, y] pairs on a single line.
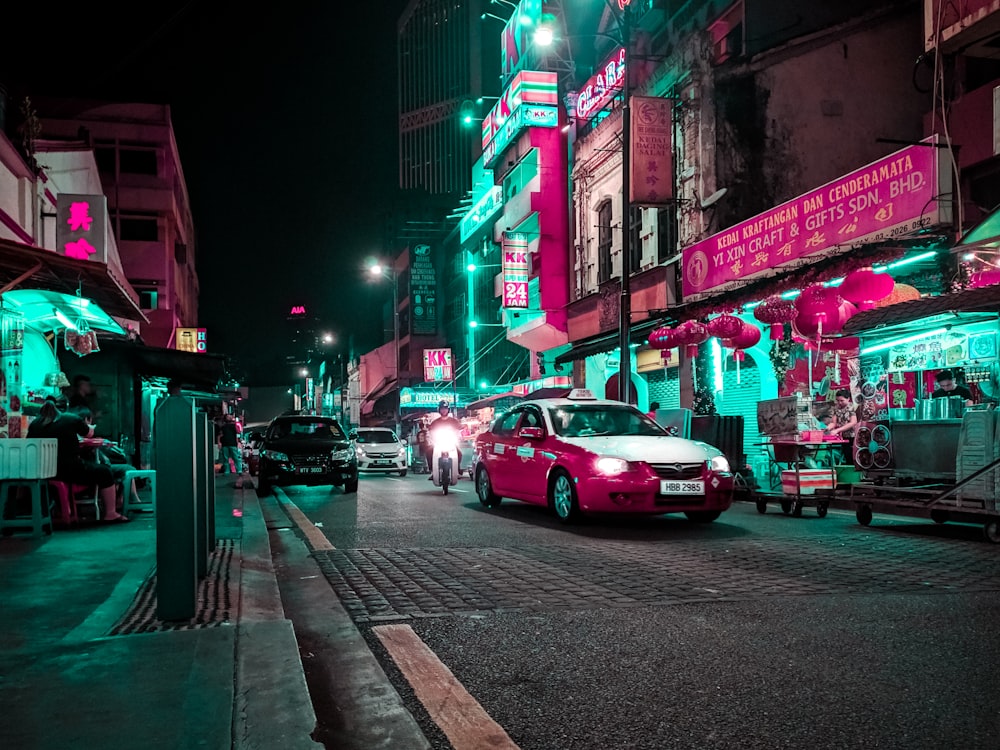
{"points": [[84, 662]]}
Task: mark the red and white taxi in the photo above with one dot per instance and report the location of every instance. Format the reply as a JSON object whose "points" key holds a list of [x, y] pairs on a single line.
{"points": [[580, 454]]}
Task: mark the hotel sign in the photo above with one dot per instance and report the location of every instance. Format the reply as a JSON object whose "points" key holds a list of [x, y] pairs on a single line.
{"points": [[602, 87], [889, 198], [515, 270], [191, 340]]}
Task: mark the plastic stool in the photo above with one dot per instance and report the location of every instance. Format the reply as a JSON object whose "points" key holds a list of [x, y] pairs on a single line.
{"points": [[66, 497], [130, 503], [40, 519]]}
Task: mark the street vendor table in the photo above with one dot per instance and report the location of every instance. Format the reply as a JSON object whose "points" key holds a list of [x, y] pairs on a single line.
{"points": [[792, 456]]}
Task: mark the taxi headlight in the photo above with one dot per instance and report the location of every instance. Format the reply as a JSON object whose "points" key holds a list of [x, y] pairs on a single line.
{"points": [[274, 455], [401, 452], [612, 466], [361, 452], [719, 463]]}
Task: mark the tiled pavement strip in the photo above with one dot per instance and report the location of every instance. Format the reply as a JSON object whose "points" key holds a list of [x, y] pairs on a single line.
{"points": [[385, 585]]}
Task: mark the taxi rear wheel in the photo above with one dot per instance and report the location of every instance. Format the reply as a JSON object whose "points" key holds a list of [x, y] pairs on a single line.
{"points": [[484, 489], [562, 497]]}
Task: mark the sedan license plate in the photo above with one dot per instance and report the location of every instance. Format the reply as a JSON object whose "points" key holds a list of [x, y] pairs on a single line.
{"points": [[311, 470], [382, 463], [668, 487]]}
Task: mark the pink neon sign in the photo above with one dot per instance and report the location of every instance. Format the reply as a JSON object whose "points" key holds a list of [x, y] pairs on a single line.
{"points": [[601, 88], [515, 270], [888, 198], [80, 226]]}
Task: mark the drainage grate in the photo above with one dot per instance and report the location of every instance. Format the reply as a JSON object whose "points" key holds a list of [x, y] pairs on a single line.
{"points": [[212, 605]]}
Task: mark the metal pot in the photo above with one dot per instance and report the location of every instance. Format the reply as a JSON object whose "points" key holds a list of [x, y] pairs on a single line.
{"points": [[948, 407], [902, 415]]}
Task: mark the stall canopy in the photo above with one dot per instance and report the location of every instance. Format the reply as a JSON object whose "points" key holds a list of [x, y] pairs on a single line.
{"points": [[979, 303], [497, 401], [50, 311], [26, 267], [983, 236], [201, 371]]}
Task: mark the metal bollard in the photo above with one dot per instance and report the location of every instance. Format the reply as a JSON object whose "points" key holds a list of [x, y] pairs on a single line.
{"points": [[205, 478]]}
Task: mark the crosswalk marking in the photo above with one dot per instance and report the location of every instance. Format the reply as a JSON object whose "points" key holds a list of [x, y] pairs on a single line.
{"points": [[464, 722]]}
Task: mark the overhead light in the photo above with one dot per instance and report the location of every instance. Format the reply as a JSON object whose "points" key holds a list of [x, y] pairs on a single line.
{"points": [[61, 317], [904, 340]]}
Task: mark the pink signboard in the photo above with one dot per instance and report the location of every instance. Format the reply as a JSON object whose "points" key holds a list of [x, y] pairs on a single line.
{"points": [[515, 270], [81, 229], [437, 365], [888, 198], [601, 87]]}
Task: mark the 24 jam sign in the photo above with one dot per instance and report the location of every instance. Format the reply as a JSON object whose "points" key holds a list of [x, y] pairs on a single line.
{"points": [[437, 365]]}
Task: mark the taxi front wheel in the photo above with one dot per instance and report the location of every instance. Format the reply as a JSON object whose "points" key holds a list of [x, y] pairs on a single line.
{"points": [[484, 489], [562, 497]]}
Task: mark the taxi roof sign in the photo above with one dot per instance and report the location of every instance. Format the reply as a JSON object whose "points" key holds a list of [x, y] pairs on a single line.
{"points": [[582, 394]]}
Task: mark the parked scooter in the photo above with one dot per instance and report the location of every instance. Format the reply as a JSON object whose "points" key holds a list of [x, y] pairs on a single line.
{"points": [[444, 461]]}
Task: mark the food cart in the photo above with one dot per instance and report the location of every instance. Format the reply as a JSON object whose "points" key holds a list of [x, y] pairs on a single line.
{"points": [[922, 455]]}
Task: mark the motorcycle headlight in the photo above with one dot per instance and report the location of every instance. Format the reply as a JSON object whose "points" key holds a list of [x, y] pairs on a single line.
{"points": [[274, 455], [612, 466], [343, 455], [719, 463]]}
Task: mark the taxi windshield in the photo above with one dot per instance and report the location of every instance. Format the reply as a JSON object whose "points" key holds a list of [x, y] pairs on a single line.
{"points": [[589, 420]]}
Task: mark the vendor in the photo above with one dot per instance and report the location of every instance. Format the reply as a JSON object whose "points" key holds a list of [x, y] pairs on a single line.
{"points": [[948, 387], [845, 415]]}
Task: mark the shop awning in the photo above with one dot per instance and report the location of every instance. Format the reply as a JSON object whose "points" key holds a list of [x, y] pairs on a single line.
{"points": [[29, 267], [202, 371], [984, 235], [606, 342], [51, 311], [984, 299]]}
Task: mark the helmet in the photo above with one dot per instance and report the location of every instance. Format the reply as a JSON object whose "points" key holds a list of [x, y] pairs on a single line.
{"points": [[443, 403]]}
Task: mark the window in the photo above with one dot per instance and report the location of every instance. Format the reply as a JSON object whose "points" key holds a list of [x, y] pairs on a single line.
{"points": [[666, 233], [504, 426], [105, 158], [137, 161], [138, 229], [604, 242], [147, 299]]}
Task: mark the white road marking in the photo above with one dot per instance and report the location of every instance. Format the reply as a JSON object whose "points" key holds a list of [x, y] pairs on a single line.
{"points": [[464, 722]]}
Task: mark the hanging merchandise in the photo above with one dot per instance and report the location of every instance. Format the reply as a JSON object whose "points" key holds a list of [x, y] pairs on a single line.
{"points": [[776, 311], [81, 341], [864, 287]]}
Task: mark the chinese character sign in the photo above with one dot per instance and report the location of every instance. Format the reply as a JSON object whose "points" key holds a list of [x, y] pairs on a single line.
{"points": [[81, 226], [11, 354], [888, 198], [652, 171], [437, 365], [515, 270], [192, 340]]}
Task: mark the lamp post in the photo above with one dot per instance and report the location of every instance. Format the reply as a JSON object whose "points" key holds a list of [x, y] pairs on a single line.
{"points": [[472, 267], [625, 305], [389, 272]]}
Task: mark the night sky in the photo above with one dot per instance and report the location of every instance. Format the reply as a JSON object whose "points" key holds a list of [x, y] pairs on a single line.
{"points": [[285, 117]]}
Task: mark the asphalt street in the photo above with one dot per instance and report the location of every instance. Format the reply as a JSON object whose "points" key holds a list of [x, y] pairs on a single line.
{"points": [[756, 631]]}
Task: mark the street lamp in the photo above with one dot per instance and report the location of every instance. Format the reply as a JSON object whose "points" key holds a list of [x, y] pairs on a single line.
{"points": [[377, 269]]}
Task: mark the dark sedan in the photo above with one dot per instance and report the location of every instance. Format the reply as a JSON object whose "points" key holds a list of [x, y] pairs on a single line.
{"points": [[306, 450]]}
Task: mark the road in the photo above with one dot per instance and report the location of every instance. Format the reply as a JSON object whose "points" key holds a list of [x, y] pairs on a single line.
{"points": [[756, 631]]}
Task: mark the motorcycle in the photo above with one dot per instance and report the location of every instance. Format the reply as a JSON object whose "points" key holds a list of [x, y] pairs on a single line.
{"points": [[444, 458]]}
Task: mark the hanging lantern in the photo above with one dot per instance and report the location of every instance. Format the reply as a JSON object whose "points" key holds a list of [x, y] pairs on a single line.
{"points": [[776, 311], [725, 326], [822, 313], [745, 339], [663, 338], [864, 287], [692, 334]]}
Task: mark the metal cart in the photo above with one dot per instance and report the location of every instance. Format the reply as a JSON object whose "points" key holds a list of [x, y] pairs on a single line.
{"points": [[791, 456]]}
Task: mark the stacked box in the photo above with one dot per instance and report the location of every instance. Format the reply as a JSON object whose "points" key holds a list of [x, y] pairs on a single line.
{"points": [[28, 458], [976, 449], [808, 481]]}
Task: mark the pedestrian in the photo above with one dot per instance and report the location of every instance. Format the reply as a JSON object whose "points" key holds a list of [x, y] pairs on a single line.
{"points": [[229, 445], [82, 393], [423, 444], [653, 406], [173, 387]]}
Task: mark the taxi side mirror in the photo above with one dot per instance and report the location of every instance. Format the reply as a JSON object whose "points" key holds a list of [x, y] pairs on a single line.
{"points": [[531, 433]]}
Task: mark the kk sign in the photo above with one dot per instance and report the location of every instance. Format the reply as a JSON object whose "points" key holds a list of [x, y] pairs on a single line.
{"points": [[515, 270], [81, 230], [437, 365], [192, 340]]}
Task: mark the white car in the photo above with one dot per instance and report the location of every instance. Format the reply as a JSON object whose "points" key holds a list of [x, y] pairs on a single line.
{"points": [[378, 449]]}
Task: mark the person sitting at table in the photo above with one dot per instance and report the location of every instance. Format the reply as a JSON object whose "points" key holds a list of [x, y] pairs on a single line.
{"points": [[71, 466]]}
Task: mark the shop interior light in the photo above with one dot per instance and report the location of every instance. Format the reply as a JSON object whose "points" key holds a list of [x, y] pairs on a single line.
{"points": [[61, 317], [904, 340]]}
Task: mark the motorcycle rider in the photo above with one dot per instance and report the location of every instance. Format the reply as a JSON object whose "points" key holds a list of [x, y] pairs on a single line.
{"points": [[445, 420]]}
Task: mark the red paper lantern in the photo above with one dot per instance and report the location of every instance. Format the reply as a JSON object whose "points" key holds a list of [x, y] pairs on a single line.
{"points": [[864, 287], [692, 334], [725, 326], [748, 337], [663, 338], [821, 311], [776, 311]]}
